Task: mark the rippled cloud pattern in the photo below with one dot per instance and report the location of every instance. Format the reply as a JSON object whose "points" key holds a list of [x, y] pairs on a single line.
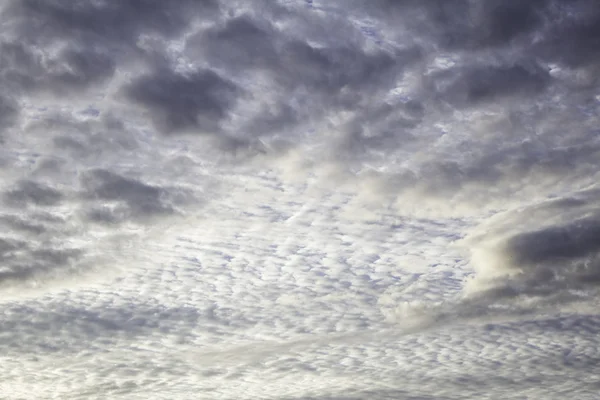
{"points": [[291, 199]]}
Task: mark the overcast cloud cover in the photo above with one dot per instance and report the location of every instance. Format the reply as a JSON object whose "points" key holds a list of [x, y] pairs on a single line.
{"points": [[339, 199]]}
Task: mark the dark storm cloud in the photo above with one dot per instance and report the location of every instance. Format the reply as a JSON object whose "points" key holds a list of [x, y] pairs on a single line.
{"points": [[462, 24], [504, 20], [329, 70], [19, 67], [561, 243], [330, 80], [70, 70], [84, 68], [305, 82], [489, 83], [180, 102], [242, 42], [564, 32], [275, 120], [494, 23], [271, 70], [546, 250], [333, 71], [383, 127], [109, 22], [518, 97], [139, 198], [23, 69], [310, 81], [268, 71], [83, 139], [573, 34], [62, 46]]}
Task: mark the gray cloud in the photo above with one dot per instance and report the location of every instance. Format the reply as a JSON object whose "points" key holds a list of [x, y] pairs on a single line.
{"points": [[556, 258], [40, 262], [573, 34], [25, 225], [32, 192], [178, 102], [405, 124], [47, 333], [111, 22], [503, 21], [305, 82], [9, 113], [33, 249], [330, 70], [492, 83], [465, 25], [556, 244], [25, 69], [240, 43], [140, 199], [64, 47], [547, 251], [85, 67]]}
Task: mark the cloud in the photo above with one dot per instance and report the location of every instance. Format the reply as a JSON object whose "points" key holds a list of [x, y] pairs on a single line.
{"points": [[95, 324], [84, 68], [546, 251], [573, 34], [297, 84], [153, 241], [58, 48], [177, 102], [35, 247], [240, 43], [23, 269], [330, 70], [139, 198], [9, 113], [503, 21], [463, 25], [106, 22], [26, 69], [34, 193], [491, 83]]}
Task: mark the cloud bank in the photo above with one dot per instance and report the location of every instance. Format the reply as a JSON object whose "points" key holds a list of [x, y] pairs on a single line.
{"points": [[299, 199]]}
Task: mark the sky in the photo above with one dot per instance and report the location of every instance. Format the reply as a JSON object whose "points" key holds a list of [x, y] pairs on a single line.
{"points": [[286, 199]]}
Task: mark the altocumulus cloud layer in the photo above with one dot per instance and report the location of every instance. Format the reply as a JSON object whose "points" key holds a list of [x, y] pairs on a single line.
{"points": [[299, 199]]}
